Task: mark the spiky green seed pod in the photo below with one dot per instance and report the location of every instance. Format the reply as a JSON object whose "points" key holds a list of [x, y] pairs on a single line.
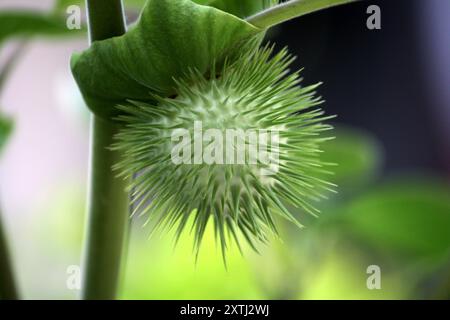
{"points": [[240, 192]]}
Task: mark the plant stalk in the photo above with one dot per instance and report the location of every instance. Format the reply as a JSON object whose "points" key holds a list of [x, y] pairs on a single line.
{"points": [[108, 217], [8, 289], [290, 10]]}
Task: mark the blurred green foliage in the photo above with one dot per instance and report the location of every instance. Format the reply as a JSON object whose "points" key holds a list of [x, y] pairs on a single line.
{"points": [[357, 157], [157, 270], [19, 24], [24, 24], [409, 218], [400, 225], [341, 274], [5, 130]]}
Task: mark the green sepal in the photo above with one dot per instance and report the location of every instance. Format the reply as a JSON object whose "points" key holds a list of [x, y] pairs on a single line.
{"points": [[171, 37]]}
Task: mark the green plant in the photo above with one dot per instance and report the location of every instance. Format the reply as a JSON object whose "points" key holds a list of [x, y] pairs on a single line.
{"points": [[150, 64]]}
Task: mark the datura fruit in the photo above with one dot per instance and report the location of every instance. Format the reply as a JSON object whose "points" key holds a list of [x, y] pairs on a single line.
{"points": [[231, 148], [214, 127]]}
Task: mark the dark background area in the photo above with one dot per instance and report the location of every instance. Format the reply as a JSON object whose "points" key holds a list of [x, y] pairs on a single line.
{"points": [[373, 79]]}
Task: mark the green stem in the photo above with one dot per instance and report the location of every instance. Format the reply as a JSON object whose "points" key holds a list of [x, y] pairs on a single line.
{"points": [[8, 290], [290, 10], [108, 218], [105, 19]]}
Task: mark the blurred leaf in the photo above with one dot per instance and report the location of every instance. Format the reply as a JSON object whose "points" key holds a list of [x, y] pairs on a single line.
{"points": [[357, 155], [411, 217], [56, 226], [5, 130], [158, 49], [341, 275], [157, 270], [28, 23], [59, 218]]}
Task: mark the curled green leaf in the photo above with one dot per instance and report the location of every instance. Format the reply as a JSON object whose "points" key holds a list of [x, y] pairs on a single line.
{"points": [[409, 217], [169, 38]]}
